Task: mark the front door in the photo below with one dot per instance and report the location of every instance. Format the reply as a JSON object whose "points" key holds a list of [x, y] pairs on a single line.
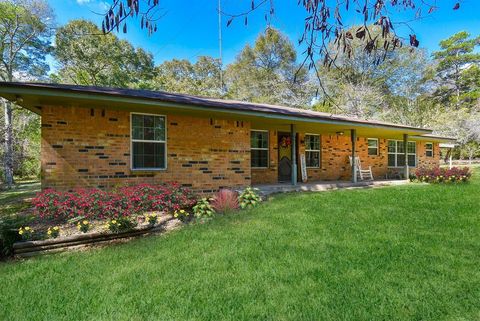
{"points": [[284, 157]]}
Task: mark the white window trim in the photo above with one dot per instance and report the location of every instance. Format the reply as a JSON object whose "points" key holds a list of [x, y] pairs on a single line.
{"points": [[396, 153], [148, 169], [378, 146], [315, 150], [256, 148], [426, 150]]}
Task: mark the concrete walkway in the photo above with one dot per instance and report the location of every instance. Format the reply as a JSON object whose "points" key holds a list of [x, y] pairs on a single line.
{"points": [[268, 189]]}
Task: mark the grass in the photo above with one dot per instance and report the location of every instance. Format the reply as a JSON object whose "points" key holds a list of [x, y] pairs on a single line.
{"points": [[13, 201], [397, 253]]}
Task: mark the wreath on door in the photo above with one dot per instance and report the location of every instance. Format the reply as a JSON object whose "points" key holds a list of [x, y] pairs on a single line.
{"points": [[285, 142]]}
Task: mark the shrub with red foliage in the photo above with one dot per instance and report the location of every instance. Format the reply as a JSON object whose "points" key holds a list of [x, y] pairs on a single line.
{"points": [[443, 175], [225, 201], [123, 202]]}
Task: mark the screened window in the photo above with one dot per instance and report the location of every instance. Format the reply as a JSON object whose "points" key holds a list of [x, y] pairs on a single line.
{"points": [[259, 148], [373, 146], [312, 150], [396, 157], [148, 142], [429, 149]]}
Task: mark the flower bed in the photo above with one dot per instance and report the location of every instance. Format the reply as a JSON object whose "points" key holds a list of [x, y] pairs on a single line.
{"points": [[123, 202], [443, 175]]}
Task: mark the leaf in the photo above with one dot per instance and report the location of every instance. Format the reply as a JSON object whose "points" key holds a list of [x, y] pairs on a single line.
{"points": [[457, 6], [125, 28], [246, 20], [229, 21]]}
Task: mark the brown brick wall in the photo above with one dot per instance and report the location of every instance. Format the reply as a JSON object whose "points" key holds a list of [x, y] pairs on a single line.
{"points": [[84, 150], [84, 147]]}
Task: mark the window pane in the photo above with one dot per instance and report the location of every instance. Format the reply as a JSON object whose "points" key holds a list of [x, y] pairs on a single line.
{"points": [[148, 121], [312, 142], [391, 160], [259, 158], [411, 147], [411, 160], [137, 120], [391, 146], [400, 148], [312, 159], [148, 155], [259, 139], [400, 160], [148, 133], [137, 133], [429, 153], [372, 151], [372, 143]]}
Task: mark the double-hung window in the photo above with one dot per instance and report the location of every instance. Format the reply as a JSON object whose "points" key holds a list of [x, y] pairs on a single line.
{"points": [[148, 138], [312, 150], [396, 155], [259, 148], [429, 149], [373, 146]]}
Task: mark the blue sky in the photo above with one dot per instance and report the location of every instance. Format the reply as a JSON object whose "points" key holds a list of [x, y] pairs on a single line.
{"points": [[190, 28]]}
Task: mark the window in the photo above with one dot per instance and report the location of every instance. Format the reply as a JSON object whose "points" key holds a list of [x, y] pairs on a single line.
{"points": [[373, 146], [259, 148], [396, 157], [429, 149], [148, 142], [312, 150]]}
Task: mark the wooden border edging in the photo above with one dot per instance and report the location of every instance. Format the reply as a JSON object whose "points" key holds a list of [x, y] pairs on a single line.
{"points": [[32, 248]]}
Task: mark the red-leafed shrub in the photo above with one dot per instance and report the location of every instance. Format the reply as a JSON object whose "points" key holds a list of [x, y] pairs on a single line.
{"points": [[225, 201], [443, 175], [123, 202]]}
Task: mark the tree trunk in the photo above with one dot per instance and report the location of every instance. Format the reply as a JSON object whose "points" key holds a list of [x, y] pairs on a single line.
{"points": [[8, 157]]}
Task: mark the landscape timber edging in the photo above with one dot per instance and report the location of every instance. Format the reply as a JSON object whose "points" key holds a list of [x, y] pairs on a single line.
{"points": [[33, 248]]}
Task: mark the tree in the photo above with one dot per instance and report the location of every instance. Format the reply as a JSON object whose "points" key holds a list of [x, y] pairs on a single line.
{"points": [[25, 31], [457, 63], [324, 22], [268, 73], [87, 57], [181, 76]]}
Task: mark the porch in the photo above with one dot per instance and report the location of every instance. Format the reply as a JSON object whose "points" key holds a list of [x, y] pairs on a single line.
{"points": [[320, 186]]}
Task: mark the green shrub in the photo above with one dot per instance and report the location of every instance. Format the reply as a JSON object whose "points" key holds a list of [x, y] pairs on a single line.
{"points": [[9, 226], [249, 198], [182, 215], [151, 219], [84, 226], [203, 209], [53, 232], [120, 224]]}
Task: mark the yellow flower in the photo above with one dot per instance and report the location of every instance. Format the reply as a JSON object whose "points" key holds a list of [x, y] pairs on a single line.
{"points": [[27, 228], [85, 222], [56, 228], [20, 232], [114, 221], [49, 232]]}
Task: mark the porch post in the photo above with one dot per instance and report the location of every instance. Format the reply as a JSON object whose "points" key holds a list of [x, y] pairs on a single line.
{"points": [[405, 154], [294, 154], [353, 136]]}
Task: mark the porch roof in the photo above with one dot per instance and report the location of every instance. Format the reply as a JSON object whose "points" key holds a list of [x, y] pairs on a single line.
{"points": [[33, 95]]}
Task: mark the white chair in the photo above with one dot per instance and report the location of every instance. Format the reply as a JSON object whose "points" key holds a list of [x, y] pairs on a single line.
{"points": [[362, 174]]}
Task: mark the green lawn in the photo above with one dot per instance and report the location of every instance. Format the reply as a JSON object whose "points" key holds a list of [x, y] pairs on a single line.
{"points": [[12, 201], [397, 253]]}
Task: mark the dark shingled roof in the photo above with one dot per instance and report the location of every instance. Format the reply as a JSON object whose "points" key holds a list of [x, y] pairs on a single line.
{"points": [[215, 103]]}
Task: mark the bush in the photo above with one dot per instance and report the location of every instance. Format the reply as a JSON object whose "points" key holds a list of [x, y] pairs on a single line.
{"points": [[203, 209], [53, 232], [182, 215], [225, 201], [443, 175], [26, 233], [84, 226], [120, 224], [125, 201], [9, 226], [249, 198], [151, 219]]}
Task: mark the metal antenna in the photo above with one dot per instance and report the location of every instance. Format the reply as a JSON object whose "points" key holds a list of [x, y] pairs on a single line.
{"points": [[220, 41]]}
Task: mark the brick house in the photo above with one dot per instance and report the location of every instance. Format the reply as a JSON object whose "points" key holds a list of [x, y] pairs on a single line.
{"points": [[105, 137]]}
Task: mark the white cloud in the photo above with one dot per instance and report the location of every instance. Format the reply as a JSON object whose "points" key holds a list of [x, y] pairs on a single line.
{"points": [[82, 2]]}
